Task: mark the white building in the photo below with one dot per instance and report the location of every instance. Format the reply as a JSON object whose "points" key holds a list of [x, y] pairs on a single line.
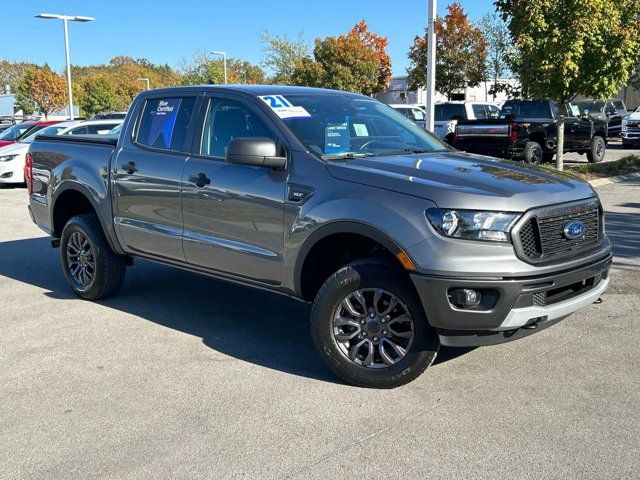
{"points": [[398, 92]]}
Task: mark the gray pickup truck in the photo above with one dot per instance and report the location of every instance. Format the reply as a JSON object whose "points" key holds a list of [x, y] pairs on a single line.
{"points": [[402, 243]]}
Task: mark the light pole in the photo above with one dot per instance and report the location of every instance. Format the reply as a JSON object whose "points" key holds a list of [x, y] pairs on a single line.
{"points": [[431, 64], [145, 79], [65, 19], [224, 60]]}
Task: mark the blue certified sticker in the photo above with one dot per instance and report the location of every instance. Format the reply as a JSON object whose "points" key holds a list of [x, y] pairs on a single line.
{"points": [[164, 119]]}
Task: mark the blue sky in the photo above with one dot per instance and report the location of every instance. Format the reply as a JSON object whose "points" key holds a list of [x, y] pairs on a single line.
{"points": [[165, 31]]}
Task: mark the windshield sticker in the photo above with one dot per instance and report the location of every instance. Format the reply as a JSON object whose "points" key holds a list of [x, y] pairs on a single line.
{"points": [[361, 130], [575, 111], [164, 119], [337, 137], [283, 108]]}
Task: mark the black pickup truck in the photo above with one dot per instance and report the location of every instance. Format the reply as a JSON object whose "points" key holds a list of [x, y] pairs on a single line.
{"points": [[527, 130]]}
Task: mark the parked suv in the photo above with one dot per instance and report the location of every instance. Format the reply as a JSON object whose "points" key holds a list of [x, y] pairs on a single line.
{"points": [[402, 243], [414, 113], [631, 129]]}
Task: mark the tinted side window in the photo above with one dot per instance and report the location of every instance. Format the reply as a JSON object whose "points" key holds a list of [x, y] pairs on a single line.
{"points": [[226, 120], [102, 129], [450, 111], [479, 112], [165, 122], [78, 131]]}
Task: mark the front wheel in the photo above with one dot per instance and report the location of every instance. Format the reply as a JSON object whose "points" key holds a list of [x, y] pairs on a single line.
{"points": [[369, 326], [91, 268], [596, 152]]}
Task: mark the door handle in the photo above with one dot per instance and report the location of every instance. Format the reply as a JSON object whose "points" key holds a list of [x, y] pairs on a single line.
{"points": [[129, 167], [200, 180]]}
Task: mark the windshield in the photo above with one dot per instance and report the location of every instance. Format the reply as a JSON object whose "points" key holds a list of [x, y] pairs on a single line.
{"points": [[53, 130], [338, 126], [589, 106], [13, 133]]}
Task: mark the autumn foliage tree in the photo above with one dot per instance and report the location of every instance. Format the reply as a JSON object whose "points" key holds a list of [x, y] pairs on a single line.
{"points": [[570, 48], [41, 90], [461, 53], [356, 62]]}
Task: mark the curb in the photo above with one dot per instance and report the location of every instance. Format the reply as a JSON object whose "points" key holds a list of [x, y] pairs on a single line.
{"points": [[599, 182]]}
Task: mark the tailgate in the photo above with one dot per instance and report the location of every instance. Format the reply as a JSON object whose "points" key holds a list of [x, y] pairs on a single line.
{"points": [[483, 129]]}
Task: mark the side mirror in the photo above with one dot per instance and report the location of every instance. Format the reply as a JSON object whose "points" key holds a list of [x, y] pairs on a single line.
{"points": [[256, 151]]}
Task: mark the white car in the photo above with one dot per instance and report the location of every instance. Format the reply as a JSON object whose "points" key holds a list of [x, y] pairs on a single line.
{"points": [[12, 157], [447, 115]]}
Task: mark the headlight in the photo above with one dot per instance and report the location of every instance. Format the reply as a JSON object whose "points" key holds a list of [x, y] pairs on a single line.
{"points": [[472, 225], [6, 158]]}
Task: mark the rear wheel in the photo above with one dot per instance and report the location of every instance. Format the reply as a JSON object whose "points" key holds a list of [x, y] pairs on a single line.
{"points": [[598, 147], [91, 268], [370, 328], [533, 153]]}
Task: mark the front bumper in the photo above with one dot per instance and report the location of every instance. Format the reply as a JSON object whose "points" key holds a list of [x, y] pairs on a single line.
{"points": [[511, 307]]}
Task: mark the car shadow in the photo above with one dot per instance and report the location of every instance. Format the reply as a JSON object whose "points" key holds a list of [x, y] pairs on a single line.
{"points": [[249, 324]]}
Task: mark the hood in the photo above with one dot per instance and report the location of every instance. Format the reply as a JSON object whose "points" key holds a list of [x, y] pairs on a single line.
{"points": [[454, 179], [14, 148], [633, 116]]}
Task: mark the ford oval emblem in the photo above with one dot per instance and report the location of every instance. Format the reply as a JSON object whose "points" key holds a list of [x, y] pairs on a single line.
{"points": [[573, 230]]}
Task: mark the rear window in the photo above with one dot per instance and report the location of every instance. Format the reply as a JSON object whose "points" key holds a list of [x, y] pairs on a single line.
{"points": [[450, 111], [526, 109], [165, 122]]}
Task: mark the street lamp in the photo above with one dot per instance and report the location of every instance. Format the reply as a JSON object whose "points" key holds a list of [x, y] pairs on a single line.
{"points": [[65, 19], [431, 65], [145, 79], [224, 58]]}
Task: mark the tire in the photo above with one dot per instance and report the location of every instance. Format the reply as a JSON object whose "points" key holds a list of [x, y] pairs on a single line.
{"points": [[595, 154], [533, 153], [107, 273], [367, 275]]}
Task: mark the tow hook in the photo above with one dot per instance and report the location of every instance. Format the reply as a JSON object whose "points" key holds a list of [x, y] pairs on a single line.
{"points": [[530, 326], [598, 301]]}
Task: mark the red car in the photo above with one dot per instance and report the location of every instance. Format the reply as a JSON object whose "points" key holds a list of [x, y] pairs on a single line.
{"points": [[18, 131]]}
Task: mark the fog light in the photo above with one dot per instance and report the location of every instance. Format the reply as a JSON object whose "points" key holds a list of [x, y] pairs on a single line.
{"points": [[465, 297]]}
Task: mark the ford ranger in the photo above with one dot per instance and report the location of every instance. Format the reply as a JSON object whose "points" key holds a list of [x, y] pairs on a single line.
{"points": [[402, 243]]}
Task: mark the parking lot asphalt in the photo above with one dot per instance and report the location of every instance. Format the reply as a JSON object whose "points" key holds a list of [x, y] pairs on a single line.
{"points": [[181, 376]]}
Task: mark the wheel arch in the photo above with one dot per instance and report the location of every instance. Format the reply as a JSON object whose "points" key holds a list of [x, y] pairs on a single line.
{"points": [[333, 230], [72, 199]]}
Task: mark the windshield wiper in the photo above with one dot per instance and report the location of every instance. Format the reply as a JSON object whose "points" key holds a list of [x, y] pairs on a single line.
{"points": [[345, 155], [407, 150]]}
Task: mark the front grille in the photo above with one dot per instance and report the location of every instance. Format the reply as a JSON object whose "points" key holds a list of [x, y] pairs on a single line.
{"points": [[542, 237]]}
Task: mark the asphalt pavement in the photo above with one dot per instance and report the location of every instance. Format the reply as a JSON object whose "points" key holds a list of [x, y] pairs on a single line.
{"points": [[181, 376]]}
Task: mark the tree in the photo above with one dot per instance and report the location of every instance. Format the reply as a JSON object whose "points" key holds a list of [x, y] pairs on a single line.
{"points": [[356, 62], [461, 52], [11, 73], [281, 55], [571, 48], [500, 52], [201, 69], [41, 90], [96, 95]]}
